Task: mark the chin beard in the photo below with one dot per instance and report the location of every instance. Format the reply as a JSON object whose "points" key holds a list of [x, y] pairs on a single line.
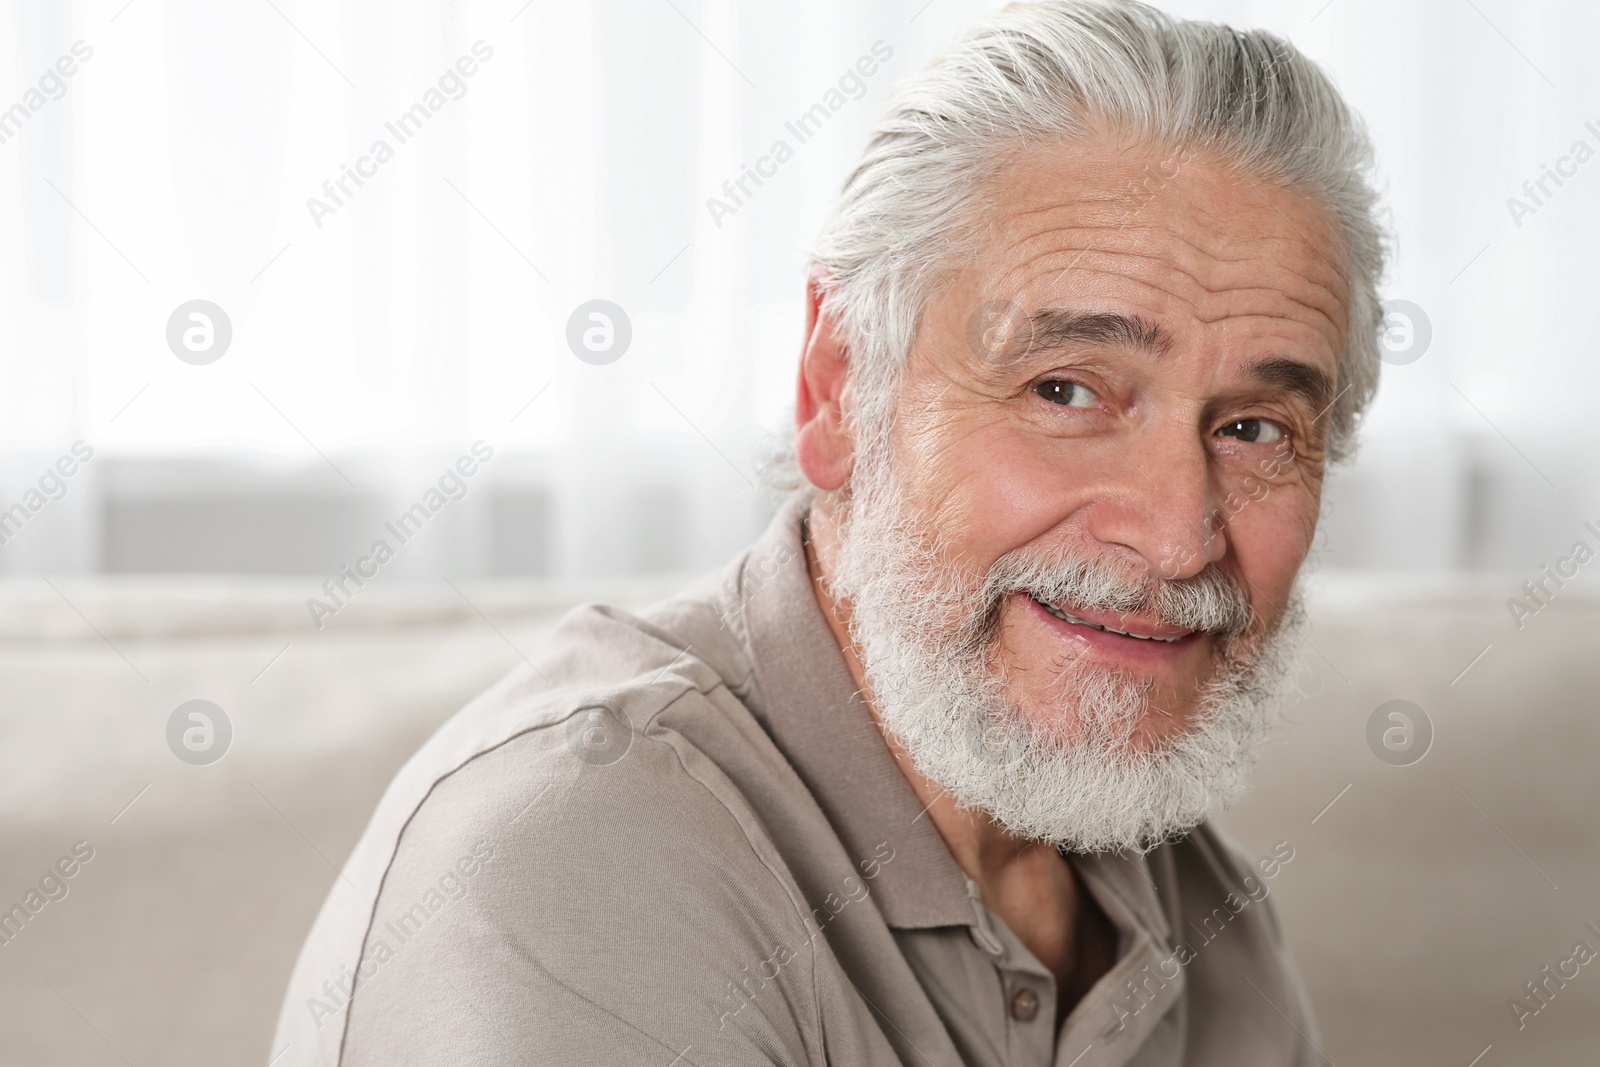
{"points": [[927, 636]]}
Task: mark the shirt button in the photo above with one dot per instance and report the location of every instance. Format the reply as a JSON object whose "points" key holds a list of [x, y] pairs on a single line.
{"points": [[1024, 1005]]}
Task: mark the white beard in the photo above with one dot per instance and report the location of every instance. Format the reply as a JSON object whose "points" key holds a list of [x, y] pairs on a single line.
{"points": [[926, 636]]}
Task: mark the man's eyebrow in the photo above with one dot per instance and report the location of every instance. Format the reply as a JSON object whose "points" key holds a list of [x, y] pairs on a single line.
{"points": [[1294, 376], [1051, 328]]}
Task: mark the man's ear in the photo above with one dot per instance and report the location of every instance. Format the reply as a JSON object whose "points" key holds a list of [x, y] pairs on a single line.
{"points": [[822, 444]]}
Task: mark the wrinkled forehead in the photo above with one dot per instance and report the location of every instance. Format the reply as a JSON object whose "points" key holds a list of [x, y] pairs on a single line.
{"points": [[1182, 233]]}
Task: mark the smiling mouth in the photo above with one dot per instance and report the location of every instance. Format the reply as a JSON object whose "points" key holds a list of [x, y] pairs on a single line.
{"points": [[1076, 621]]}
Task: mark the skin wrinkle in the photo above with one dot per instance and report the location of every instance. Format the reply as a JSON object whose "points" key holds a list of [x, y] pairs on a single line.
{"points": [[1157, 232], [1123, 225], [1313, 245], [1194, 306], [1280, 346], [1236, 312], [1101, 131], [999, 396], [1309, 383], [1053, 329], [1064, 331], [1132, 475], [1191, 277]]}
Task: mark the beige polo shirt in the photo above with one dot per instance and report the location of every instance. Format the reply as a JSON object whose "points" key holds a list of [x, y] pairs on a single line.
{"points": [[678, 838]]}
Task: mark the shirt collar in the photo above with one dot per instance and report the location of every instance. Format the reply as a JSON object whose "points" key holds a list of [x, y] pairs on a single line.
{"points": [[816, 716], [814, 712]]}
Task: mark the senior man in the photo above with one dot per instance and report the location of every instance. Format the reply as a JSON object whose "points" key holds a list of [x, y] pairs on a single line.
{"points": [[922, 777]]}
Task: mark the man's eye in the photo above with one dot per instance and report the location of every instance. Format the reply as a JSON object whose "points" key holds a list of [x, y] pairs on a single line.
{"points": [[1067, 394], [1254, 431]]}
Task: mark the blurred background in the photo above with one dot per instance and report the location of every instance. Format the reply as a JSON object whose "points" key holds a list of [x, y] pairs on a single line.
{"points": [[242, 341]]}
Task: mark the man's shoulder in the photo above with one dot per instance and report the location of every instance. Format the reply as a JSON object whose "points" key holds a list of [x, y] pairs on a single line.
{"points": [[614, 727], [595, 706], [600, 684], [578, 808]]}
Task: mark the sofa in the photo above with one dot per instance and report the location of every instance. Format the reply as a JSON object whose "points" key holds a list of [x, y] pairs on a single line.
{"points": [[1421, 897]]}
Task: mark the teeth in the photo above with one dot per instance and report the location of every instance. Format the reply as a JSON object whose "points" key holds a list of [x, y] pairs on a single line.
{"points": [[1058, 613]]}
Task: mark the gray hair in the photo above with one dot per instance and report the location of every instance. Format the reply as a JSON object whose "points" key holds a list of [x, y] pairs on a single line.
{"points": [[1046, 73]]}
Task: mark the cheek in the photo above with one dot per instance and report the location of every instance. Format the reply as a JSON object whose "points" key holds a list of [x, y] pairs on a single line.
{"points": [[989, 492], [1269, 540]]}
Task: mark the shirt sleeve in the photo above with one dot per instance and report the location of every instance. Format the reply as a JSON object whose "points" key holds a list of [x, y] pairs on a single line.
{"points": [[622, 915]]}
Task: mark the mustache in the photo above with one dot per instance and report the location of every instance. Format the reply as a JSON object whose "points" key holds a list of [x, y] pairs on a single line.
{"points": [[1210, 601]]}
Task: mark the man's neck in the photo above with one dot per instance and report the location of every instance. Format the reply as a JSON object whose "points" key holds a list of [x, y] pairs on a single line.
{"points": [[1026, 883]]}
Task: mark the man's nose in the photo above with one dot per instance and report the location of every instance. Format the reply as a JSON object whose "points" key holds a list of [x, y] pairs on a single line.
{"points": [[1165, 509]]}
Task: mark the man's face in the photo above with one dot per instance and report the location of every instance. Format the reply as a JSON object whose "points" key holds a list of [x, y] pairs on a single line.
{"points": [[1135, 371]]}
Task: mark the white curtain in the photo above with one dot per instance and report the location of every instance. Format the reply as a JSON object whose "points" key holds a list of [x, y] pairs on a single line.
{"points": [[560, 153]]}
